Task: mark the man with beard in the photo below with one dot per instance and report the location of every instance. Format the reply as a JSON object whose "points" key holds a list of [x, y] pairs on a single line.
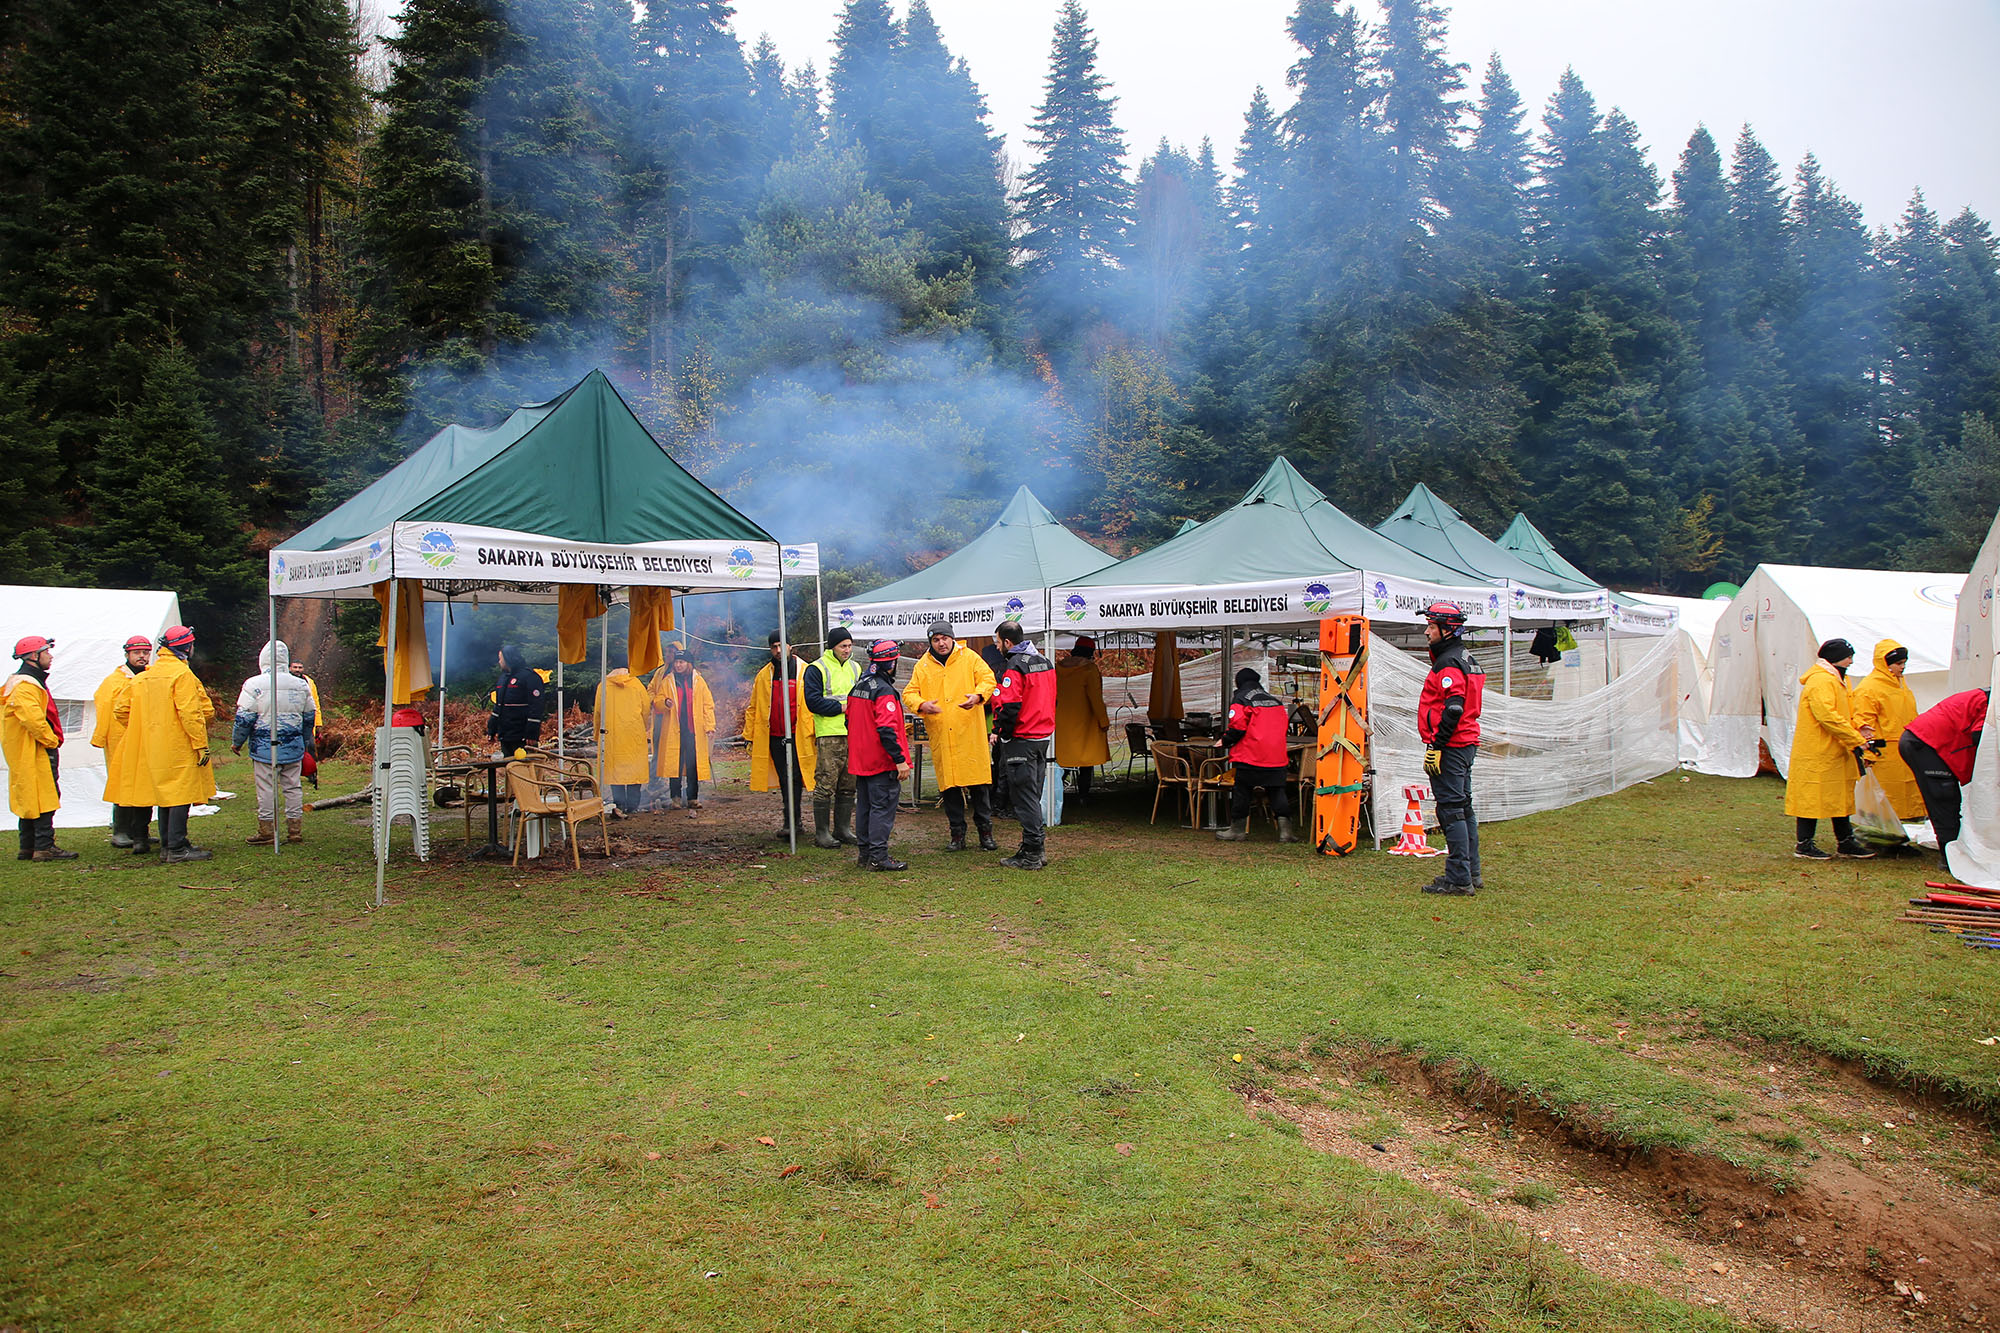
{"points": [[949, 689]]}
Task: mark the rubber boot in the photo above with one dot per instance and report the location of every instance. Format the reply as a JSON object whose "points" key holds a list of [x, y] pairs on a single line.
{"points": [[822, 818], [1285, 833], [843, 821], [1238, 831], [986, 840], [262, 835], [295, 830]]}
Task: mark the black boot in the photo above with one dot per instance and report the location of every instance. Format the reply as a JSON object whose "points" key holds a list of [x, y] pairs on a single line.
{"points": [[1449, 889], [822, 821], [957, 843], [843, 820], [986, 842]]}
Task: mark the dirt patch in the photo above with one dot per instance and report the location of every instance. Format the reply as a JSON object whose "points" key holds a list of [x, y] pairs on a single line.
{"points": [[1857, 1236]]}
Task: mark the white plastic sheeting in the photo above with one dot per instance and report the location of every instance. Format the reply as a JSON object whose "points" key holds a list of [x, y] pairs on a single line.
{"points": [[1534, 754], [89, 626], [1696, 633], [1975, 857], [1772, 633]]}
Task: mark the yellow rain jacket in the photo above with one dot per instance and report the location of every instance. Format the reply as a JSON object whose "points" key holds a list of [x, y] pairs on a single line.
{"points": [[757, 730], [1080, 717], [166, 713], [27, 738], [109, 731], [1884, 702], [704, 727], [622, 714], [957, 736], [1823, 771]]}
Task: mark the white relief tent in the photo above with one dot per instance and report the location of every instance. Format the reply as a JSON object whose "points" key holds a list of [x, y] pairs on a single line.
{"points": [[1975, 857]]}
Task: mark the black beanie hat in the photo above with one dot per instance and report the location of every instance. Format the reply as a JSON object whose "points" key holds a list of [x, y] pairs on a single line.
{"points": [[942, 627], [838, 635], [1836, 650], [775, 639], [1247, 677], [1896, 655]]}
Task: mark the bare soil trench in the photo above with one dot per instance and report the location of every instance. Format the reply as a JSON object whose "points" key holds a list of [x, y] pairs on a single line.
{"points": [[1887, 1216]]}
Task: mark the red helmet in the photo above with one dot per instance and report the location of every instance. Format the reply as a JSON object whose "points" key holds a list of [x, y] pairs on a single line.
{"points": [[1446, 616], [178, 637], [884, 650], [31, 645], [138, 643]]}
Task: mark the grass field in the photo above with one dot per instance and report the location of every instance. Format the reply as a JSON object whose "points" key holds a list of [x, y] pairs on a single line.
{"points": [[236, 1096]]}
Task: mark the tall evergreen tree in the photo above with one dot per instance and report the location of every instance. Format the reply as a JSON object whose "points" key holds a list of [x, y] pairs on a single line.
{"points": [[1489, 200], [1758, 214], [1075, 200]]}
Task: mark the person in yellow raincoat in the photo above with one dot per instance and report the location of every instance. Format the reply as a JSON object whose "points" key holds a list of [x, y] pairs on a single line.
{"points": [[1081, 720], [949, 688], [1883, 706], [660, 689], [130, 825], [764, 732], [1826, 756], [166, 714], [685, 739], [31, 735], [623, 712]]}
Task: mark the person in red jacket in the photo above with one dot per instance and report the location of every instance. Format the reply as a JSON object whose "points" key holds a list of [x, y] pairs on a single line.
{"points": [[1448, 722], [1939, 746], [1255, 740], [1024, 718], [878, 755]]}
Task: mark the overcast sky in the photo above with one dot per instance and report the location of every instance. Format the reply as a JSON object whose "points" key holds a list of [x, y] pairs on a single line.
{"points": [[1890, 97]]}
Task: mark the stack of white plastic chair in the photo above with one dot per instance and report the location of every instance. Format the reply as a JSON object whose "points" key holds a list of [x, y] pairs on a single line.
{"points": [[400, 766]]}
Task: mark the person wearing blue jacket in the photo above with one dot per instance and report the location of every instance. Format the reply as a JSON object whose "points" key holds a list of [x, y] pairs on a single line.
{"points": [[276, 729]]}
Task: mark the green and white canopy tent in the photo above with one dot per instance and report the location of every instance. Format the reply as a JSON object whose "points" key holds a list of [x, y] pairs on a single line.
{"points": [[1282, 555], [1005, 573], [1629, 615], [1427, 525], [573, 491]]}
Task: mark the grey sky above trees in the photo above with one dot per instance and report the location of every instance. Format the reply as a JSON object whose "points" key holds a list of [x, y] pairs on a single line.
{"points": [[1889, 98]]}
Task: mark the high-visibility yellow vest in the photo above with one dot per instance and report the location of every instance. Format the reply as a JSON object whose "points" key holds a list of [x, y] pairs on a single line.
{"points": [[836, 679]]}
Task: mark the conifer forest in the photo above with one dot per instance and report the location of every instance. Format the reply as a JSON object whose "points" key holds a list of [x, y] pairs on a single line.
{"points": [[248, 261]]}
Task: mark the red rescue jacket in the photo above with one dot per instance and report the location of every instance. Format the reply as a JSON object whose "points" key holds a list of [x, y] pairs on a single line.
{"points": [[1025, 704], [1256, 732], [877, 738], [1952, 728], [1454, 675]]}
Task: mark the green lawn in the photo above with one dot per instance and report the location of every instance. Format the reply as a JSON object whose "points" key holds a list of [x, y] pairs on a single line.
{"points": [[534, 1100]]}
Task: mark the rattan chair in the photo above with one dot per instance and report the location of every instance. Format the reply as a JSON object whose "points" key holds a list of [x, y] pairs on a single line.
{"points": [[1217, 774], [550, 789], [1170, 769]]}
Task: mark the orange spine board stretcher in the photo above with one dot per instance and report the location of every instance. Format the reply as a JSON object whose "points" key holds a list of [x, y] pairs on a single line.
{"points": [[1340, 781]]}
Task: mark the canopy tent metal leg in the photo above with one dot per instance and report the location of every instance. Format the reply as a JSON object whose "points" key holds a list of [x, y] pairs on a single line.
{"points": [[1507, 654], [444, 664], [597, 708], [276, 786], [779, 678], [382, 764]]}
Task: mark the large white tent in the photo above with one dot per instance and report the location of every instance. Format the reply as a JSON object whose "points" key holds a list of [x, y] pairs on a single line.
{"points": [[1772, 631], [1696, 619], [89, 626], [1975, 857]]}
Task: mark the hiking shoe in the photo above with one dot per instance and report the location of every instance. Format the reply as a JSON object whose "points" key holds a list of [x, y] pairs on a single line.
{"points": [[54, 854], [986, 842], [187, 853], [890, 865], [1809, 851], [1449, 889], [1024, 861], [1855, 850]]}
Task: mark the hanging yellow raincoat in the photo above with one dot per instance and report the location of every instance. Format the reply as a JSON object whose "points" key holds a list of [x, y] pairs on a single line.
{"points": [[1823, 772], [622, 714], [109, 731], [757, 730], [956, 736], [703, 712], [1080, 717], [1884, 702], [166, 713], [27, 738]]}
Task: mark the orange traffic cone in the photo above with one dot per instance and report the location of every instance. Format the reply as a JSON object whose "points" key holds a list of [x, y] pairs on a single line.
{"points": [[1413, 842]]}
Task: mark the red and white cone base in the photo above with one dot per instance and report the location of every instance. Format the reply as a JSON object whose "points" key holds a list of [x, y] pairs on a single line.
{"points": [[1413, 842]]}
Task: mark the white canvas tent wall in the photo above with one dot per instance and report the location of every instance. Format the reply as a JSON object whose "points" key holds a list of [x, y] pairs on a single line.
{"points": [[1772, 631], [89, 626], [1975, 857]]}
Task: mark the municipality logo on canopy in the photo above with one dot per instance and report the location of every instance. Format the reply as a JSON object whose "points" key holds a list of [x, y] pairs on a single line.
{"points": [[792, 556], [1074, 606], [741, 562], [278, 573], [1493, 605], [842, 615], [1014, 608], [1380, 592], [437, 549], [374, 556], [1318, 597]]}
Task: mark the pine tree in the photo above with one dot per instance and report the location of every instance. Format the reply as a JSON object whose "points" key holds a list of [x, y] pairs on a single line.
{"points": [[1959, 490], [1767, 280], [1075, 202], [160, 518], [1178, 246], [1707, 263], [1489, 200]]}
